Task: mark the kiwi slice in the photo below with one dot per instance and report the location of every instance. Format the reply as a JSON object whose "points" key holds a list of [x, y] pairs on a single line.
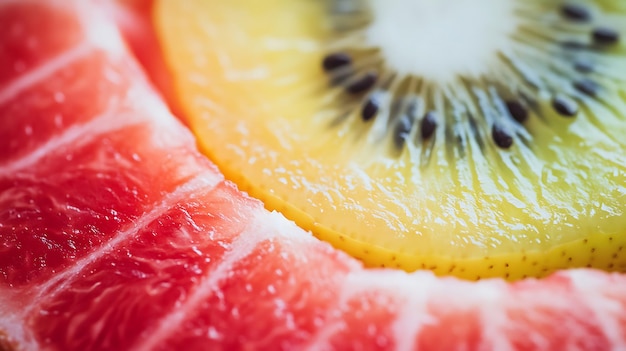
{"points": [[475, 138]]}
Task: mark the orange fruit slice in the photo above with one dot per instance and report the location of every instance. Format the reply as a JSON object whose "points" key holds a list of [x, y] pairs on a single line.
{"points": [[467, 198]]}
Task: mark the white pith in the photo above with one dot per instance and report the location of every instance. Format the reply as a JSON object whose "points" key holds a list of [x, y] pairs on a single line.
{"points": [[438, 40]]}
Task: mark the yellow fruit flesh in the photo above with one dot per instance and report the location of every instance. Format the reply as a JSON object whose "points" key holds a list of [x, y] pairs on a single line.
{"points": [[249, 79]]}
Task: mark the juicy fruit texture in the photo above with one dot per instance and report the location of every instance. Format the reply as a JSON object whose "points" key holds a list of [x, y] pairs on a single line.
{"points": [[133, 20], [250, 79], [116, 234]]}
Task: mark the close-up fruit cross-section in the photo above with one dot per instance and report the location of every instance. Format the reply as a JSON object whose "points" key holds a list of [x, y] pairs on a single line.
{"points": [[312, 175], [485, 143]]}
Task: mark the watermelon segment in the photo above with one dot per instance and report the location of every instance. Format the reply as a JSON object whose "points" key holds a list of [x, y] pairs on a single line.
{"points": [[117, 234], [133, 20], [144, 278], [259, 300], [33, 34], [65, 99]]}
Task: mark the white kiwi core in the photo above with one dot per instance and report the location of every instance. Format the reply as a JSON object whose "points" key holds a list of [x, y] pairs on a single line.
{"points": [[440, 40]]}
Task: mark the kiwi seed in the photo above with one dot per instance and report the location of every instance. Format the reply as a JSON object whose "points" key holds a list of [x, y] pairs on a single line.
{"points": [[587, 86], [335, 61], [428, 125], [370, 109], [363, 83], [501, 137], [575, 12], [517, 111], [565, 106], [550, 57], [605, 36]]}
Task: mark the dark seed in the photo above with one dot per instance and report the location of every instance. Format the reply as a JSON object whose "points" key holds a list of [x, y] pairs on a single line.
{"points": [[604, 35], [370, 109], [428, 125], [363, 84], [501, 137], [402, 130], [583, 66], [336, 60], [517, 110], [587, 86], [565, 106], [575, 12]]}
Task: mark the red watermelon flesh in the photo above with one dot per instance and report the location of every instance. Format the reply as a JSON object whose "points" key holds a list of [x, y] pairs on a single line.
{"points": [[133, 18], [116, 234]]}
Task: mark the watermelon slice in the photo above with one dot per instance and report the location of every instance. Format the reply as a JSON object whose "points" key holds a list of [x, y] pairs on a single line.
{"points": [[116, 234]]}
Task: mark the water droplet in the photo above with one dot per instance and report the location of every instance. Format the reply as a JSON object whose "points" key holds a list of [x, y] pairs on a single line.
{"points": [[58, 121], [213, 333], [271, 289], [59, 97]]}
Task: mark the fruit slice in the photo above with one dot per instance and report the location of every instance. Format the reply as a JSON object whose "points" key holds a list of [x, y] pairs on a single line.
{"points": [[133, 19], [496, 154], [116, 234]]}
